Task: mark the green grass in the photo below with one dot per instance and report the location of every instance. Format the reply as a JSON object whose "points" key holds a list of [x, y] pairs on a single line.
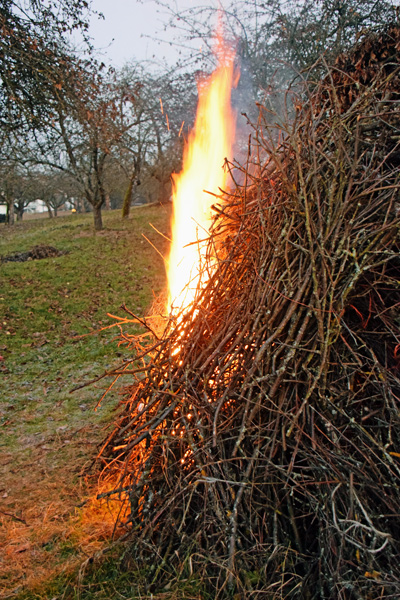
{"points": [[46, 304], [49, 311], [116, 575]]}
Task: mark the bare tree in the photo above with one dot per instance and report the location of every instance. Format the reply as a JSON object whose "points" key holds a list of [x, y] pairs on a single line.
{"points": [[150, 146], [278, 38], [33, 53], [15, 189], [81, 135]]}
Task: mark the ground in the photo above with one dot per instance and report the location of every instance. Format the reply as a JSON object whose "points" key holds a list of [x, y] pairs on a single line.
{"points": [[50, 520]]}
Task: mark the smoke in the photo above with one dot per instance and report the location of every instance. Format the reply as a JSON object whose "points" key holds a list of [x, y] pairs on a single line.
{"points": [[269, 99]]}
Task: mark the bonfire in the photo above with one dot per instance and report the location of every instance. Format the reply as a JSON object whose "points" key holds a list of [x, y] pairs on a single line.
{"points": [[258, 447]]}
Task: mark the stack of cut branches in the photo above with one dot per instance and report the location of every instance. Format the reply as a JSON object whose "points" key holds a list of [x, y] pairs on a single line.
{"points": [[260, 444]]}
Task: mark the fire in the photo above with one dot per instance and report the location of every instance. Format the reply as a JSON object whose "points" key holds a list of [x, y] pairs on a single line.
{"points": [[201, 178]]}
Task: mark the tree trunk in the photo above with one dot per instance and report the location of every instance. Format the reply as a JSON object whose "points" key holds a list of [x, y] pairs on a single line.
{"points": [[49, 211], [98, 221], [163, 191], [127, 199], [55, 210], [10, 213]]}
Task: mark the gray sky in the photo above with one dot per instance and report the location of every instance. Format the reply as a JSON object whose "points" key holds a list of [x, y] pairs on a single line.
{"points": [[123, 34]]}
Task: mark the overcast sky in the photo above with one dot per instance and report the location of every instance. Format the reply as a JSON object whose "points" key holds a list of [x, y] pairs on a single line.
{"points": [[130, 28]]}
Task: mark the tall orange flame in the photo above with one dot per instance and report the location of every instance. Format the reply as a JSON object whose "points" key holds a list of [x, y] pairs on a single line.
{"points": [[209, 144]]}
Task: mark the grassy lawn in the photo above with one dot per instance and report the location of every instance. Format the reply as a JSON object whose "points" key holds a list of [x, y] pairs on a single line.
{"points": [[49, 518]]}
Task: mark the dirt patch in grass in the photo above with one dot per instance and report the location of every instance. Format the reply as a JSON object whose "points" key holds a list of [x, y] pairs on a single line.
{"points": [[37, 253]]}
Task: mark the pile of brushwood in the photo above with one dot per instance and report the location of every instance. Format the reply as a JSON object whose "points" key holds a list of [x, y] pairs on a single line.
{"points": [[37, 253], [259, 444]]}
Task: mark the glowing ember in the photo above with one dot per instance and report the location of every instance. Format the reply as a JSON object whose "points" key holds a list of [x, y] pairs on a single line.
{"points": [[209, 144]]}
